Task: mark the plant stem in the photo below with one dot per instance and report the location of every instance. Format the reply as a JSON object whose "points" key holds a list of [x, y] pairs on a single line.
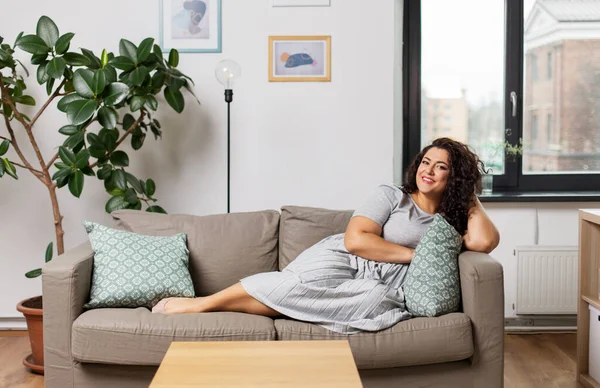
{"points": [[58, 229], [33, 170], [43, 108]]}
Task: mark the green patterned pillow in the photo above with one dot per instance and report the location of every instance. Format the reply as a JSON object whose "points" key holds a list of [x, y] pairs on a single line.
{"points": [[134, 270], [432, 285]]}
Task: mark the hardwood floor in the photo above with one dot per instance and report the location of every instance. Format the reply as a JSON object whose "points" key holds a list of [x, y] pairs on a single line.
{"points": [[14, 346], [530, 361]]}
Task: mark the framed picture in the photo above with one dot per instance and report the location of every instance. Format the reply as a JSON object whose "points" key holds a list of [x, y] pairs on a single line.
{"points": [[301, 3], [300, 58], [190, 26]]}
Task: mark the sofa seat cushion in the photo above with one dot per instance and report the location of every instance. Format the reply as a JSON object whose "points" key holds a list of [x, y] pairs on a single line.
{"points": [[416, 341], [139, 337]]}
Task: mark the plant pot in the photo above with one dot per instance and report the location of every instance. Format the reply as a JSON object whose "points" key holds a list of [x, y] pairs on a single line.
{"points": [[32, 310]]}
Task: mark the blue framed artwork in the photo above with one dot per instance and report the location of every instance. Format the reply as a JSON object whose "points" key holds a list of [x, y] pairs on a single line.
{"points": [[190, 26]]}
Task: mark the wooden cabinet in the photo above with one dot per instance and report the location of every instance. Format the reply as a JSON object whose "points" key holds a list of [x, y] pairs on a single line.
{"points": [[589, 265]]}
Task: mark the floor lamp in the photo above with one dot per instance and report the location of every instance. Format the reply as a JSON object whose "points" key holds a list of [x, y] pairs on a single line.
{"points": [[227, 72]]}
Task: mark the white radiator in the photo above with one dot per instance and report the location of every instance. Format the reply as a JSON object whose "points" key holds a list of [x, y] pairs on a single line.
{"points": [[547, 279]]}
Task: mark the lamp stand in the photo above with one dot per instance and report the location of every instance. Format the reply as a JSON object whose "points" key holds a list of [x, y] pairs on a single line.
{"points": [[228, 100]]}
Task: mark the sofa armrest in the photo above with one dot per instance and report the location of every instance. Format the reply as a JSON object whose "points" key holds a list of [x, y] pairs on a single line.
{"points": [[482, 286], [66, 283]]}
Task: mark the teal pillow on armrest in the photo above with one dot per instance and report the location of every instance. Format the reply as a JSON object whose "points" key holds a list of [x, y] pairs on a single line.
{"points": [[135, 270], [432, 285]]}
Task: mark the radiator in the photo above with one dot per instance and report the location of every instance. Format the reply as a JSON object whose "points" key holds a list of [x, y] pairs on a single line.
{"points": [[546, 279]]}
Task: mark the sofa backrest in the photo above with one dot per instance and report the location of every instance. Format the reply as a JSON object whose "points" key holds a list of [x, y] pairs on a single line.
{"points": [[302, 227], [224, 248]]}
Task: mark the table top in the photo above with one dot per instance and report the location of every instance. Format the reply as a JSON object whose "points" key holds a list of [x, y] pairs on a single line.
{"points": [[258, 364]]}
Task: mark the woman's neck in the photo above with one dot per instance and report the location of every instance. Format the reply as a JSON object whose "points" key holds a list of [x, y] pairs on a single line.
{"points": [[426, 203]]}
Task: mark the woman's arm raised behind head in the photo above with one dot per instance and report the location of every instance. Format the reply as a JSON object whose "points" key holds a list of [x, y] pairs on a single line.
{"points": [[482, 235]]}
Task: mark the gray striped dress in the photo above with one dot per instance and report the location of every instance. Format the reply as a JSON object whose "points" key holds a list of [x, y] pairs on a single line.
{"points": [[342, 292]]}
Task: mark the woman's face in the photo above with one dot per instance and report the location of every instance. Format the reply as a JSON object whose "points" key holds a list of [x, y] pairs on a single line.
{"points": [[432, 174]]}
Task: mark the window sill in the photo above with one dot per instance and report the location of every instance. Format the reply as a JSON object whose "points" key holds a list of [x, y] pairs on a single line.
{"points": [[573, 196]]}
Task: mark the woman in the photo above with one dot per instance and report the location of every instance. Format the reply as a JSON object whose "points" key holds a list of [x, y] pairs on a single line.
{"points": [[352, 281]]}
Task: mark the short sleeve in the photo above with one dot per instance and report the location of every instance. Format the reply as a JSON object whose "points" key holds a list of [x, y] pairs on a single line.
{"points": [[378, 207]]}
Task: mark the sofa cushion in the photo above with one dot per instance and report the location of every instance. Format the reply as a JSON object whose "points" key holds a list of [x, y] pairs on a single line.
{"points": [[139, 337], [224, 248], [432, 285], [134, 270], [417, 341], [302, 227]]}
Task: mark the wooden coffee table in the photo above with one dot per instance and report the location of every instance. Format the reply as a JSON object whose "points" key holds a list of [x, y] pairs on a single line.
{"points": [[258, 364]]}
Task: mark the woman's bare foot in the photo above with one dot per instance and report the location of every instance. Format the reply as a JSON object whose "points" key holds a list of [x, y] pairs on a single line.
{"points": [[178, 306]]}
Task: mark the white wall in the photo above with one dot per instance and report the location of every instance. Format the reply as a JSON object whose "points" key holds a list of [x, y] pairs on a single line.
{"points": [[315, 144]]}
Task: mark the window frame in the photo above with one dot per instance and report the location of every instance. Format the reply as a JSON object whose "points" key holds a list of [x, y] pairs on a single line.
{"points": [[513, 180]]}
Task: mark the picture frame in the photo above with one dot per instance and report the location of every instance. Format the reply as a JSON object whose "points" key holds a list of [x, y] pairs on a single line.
{"points": [[301, 3], [190, 26], [300, 58]]}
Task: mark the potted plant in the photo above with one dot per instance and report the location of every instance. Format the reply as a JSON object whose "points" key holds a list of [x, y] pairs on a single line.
{"points": [[107, 100], [494, 154]]}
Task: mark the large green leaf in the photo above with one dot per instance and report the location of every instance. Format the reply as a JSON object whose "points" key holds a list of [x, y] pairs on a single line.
{"points": [[128, 49], [4, 147], [131, 196], [76, 59], [47, 30], [56, 67], [83, 82], [151, 102], [9, 168], [49, 250], [74, 140], [119, 180], [68, 130], [81, 111], [82, 158], [34, 273], [138, 75], [33, 44], [38, 58], [110, 73], [62, 173], [115, 203], [137, 102], [66, 156], [76, 183], [158, 79], [107, 117], [175, 99], [104, 172], [134, 182], [104, 58], [128, 121], [94, 61], [156, 209], [119, 159], [1, 168], [63, 42], [115, 93], [144, 49], [49, 85], [122, 62], [97, 150], [173, 58], [41, 74], [98, 82], [150, 187], [64, 102], [25, 100]]}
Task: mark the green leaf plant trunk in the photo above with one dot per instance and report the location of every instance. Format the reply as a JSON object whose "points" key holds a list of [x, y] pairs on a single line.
{"points": [[107, 100]]}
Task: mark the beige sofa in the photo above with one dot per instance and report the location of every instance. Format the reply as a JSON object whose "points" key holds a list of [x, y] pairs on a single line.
{"points": [[123, 347]]}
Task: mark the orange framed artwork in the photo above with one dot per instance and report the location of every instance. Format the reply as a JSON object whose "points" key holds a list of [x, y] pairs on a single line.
{"points": [[300, 58]]}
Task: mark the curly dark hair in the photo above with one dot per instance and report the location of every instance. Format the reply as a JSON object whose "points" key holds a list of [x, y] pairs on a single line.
{"points": [[464, 180]]}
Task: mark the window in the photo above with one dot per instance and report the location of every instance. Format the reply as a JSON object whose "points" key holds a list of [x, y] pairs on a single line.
{"points": [[549, 129], [490, 86], [534, 132]]}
